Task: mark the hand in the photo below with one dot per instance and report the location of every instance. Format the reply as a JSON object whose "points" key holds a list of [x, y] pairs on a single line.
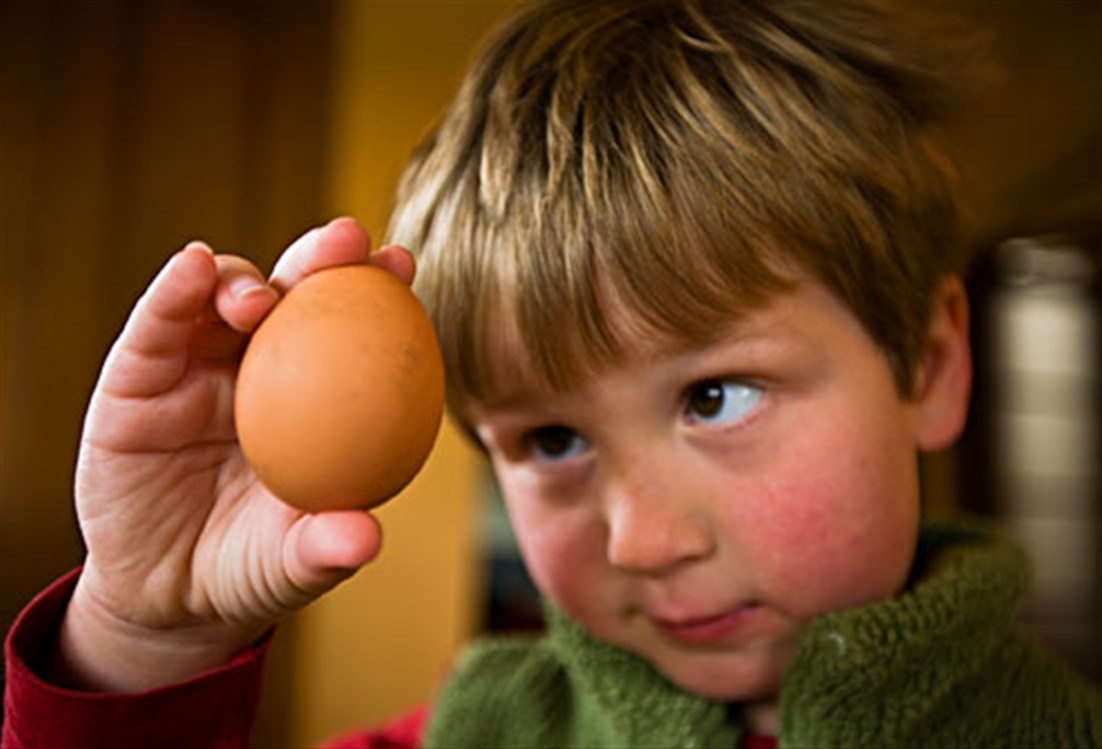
{"points": [[189, 557]]}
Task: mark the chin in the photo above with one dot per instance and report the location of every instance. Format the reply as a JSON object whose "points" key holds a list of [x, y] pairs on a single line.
{"points": [[759, 691], [716, 678]]}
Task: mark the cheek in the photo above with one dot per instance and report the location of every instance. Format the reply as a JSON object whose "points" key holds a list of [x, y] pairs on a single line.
{"points": [[836, 528]]}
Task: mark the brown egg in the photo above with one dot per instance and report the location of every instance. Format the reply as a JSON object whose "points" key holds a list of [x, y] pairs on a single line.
{"points": [[341, 391]]}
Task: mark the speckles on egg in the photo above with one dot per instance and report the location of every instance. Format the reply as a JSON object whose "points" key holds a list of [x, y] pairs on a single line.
{"points": [[341, 391]]}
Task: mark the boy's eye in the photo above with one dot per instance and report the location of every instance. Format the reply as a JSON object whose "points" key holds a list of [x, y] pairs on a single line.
{"points": [[721, 401], [555, 443]]}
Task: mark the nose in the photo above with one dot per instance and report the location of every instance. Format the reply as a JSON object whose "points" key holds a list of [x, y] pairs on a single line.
{"points": [[651, 531]]}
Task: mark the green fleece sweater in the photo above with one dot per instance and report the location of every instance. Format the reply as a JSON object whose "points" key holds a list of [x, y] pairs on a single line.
{"points": [[941, 665]]}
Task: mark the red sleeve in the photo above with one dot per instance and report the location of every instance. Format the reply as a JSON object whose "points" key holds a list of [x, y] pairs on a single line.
{"points": [[754, 741], [214, 709], [406, 732]]}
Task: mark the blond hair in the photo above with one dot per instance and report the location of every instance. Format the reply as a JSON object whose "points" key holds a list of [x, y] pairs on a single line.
{"points": [[682, 158]]}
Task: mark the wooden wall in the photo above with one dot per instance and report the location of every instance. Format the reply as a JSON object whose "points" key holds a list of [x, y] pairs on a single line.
{"points": [[129, 128]]}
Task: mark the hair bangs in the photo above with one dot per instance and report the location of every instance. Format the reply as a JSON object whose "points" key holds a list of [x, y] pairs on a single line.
{"points": [[618, 177], [539, 301]]}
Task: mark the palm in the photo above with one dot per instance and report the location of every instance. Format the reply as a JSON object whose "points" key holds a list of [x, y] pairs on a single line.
{"points": [[210, 534]]}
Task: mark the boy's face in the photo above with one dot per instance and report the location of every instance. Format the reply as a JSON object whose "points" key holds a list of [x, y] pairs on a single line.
{"points": [[697, 507]]}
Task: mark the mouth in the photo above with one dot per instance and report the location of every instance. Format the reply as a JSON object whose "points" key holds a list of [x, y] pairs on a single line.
{"points": [[705, 630]]}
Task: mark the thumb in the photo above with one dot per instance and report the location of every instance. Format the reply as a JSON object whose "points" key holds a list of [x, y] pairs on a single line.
{"points": [[325, 548]]}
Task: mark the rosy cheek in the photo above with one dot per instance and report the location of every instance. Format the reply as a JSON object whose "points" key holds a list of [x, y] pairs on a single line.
{"points": [[792, 548], [828, 536]]}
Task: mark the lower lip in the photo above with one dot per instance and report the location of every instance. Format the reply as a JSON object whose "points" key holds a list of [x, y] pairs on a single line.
{"points": [[711, 629]]}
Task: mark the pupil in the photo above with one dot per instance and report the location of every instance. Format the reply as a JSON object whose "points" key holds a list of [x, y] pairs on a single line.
{"points": [[555, 440], [707, 399]]}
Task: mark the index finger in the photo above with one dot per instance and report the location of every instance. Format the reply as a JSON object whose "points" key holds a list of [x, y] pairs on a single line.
{"points": [[151, 353]]}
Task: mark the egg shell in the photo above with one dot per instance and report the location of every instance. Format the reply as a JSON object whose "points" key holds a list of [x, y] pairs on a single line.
{"points": [[340, 392]]}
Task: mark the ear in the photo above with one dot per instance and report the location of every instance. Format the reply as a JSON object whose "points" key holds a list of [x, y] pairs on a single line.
{"points": [[943, 382]]}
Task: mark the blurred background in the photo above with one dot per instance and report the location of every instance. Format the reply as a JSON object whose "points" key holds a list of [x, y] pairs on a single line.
{"points": [[130, 127]]}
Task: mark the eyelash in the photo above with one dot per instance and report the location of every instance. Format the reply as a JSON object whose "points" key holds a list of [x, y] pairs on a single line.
{"points": [[534, 448]]}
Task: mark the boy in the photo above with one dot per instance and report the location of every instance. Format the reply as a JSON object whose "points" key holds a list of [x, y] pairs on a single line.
{"points": [[693, 266]]}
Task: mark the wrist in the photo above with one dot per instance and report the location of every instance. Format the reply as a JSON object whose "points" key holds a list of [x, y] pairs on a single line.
{"points": [[99, 651]]}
